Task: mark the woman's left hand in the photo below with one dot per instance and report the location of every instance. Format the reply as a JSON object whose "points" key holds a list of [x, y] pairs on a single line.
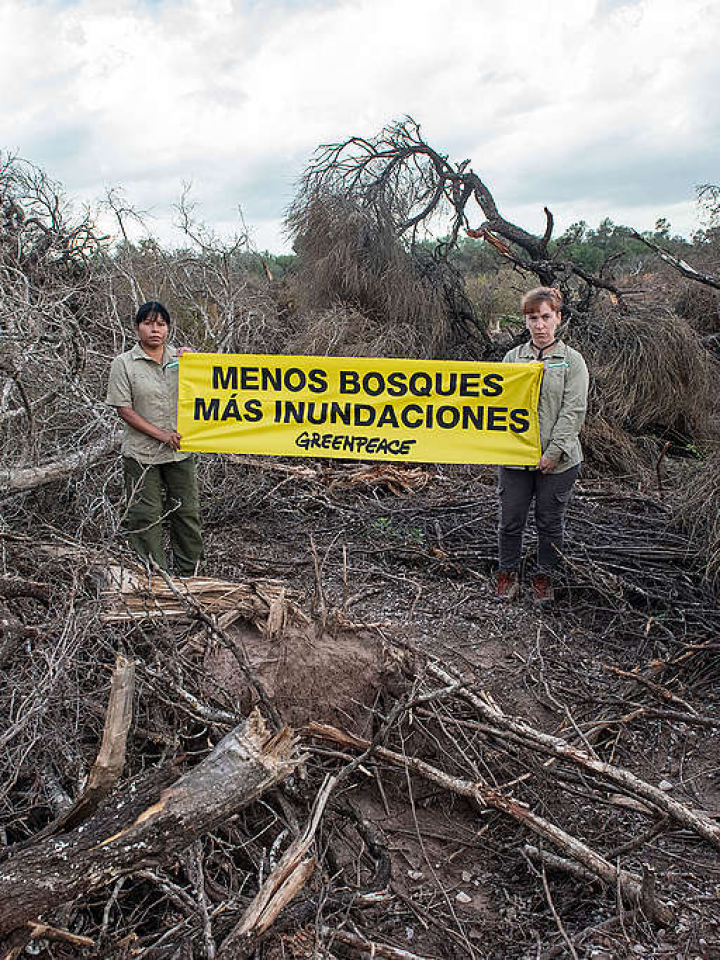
{"points": [[546, 464]]}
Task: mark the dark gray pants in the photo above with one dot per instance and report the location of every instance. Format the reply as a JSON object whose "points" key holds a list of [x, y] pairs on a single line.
{"points": [[551, 491]]}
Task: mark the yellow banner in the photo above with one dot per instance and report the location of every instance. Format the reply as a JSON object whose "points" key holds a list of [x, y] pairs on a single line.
{"points": [[432, 411]]}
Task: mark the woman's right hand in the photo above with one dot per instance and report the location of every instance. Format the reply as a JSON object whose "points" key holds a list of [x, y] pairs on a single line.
{"points": [[546, 464]]}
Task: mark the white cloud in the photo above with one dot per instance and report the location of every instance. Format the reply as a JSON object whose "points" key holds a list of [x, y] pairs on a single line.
{"points": [[586, 105]]}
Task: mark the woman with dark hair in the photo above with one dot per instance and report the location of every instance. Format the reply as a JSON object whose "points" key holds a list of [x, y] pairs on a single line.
{"points": [[160, 479], [561, 412]]}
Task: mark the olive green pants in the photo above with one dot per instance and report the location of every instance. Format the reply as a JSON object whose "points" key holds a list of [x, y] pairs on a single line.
{"points": [[165, 491]]}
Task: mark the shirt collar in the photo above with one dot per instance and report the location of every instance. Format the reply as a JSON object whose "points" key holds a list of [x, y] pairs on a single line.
{"points": [[557, 350], [169, 353]]}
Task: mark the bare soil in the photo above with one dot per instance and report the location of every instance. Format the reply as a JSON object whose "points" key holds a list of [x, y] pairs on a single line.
{"points": [[309, 674]]}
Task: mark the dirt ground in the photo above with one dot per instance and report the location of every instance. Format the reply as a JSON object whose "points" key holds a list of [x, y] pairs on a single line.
{"points": [[387, 576]]}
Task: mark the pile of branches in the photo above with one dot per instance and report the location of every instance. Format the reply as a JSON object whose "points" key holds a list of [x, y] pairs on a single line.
{"points": [[700, 306], [630, 572], [67, 301], [50, 264], [652, 382], [697, 495], [144, 815]]}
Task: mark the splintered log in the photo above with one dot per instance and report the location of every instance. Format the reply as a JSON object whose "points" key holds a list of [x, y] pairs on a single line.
{"points": [[284, 883], [145, 824], [133, 596]]}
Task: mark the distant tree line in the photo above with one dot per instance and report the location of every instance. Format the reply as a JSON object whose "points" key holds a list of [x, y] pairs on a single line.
{"points": [[593, 248]]}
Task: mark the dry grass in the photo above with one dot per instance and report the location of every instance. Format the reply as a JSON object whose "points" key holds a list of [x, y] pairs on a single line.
{"points": [[650, 378], [495, 296], [406, 301], [697, 507], [700, 306], [612, 450]]}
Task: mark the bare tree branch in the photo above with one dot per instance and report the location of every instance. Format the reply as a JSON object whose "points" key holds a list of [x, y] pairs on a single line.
{"points": [[398, 172], [682, 266]]}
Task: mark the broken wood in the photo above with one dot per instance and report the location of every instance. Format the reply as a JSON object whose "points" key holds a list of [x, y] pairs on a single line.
{"points": [[290, 875], [110, 760], [146, 824], [660, 692], [134, 596], [561, 864], [235, 646]]}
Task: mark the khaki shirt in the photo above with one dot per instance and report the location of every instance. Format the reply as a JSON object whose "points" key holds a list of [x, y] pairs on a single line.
{"points": [[150, 389], [562, 403]]}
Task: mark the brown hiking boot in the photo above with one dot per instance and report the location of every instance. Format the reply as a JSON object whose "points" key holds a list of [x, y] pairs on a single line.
{"points": [[508, 585], [542, 586]]}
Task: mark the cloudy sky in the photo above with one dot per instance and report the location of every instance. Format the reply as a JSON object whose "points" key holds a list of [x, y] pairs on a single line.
{"points": [[594, 107]]}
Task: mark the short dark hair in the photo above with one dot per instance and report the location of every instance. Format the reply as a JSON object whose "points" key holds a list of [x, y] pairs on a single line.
{"points": [[153, 308]]}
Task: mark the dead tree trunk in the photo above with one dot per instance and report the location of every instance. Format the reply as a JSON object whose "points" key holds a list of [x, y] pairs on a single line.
{"points": [[28, 478], [145, 825]]}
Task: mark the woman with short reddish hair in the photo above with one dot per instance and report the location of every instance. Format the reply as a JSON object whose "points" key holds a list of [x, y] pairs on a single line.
{"points": [[561, 413]]}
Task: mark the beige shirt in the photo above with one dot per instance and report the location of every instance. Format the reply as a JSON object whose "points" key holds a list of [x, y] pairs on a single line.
{"points": [[562, 403], [151, 390]]}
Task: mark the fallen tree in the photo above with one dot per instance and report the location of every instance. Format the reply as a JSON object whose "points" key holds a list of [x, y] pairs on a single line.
{"points": [[398, 180], [22, 479], [146, 824]]}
